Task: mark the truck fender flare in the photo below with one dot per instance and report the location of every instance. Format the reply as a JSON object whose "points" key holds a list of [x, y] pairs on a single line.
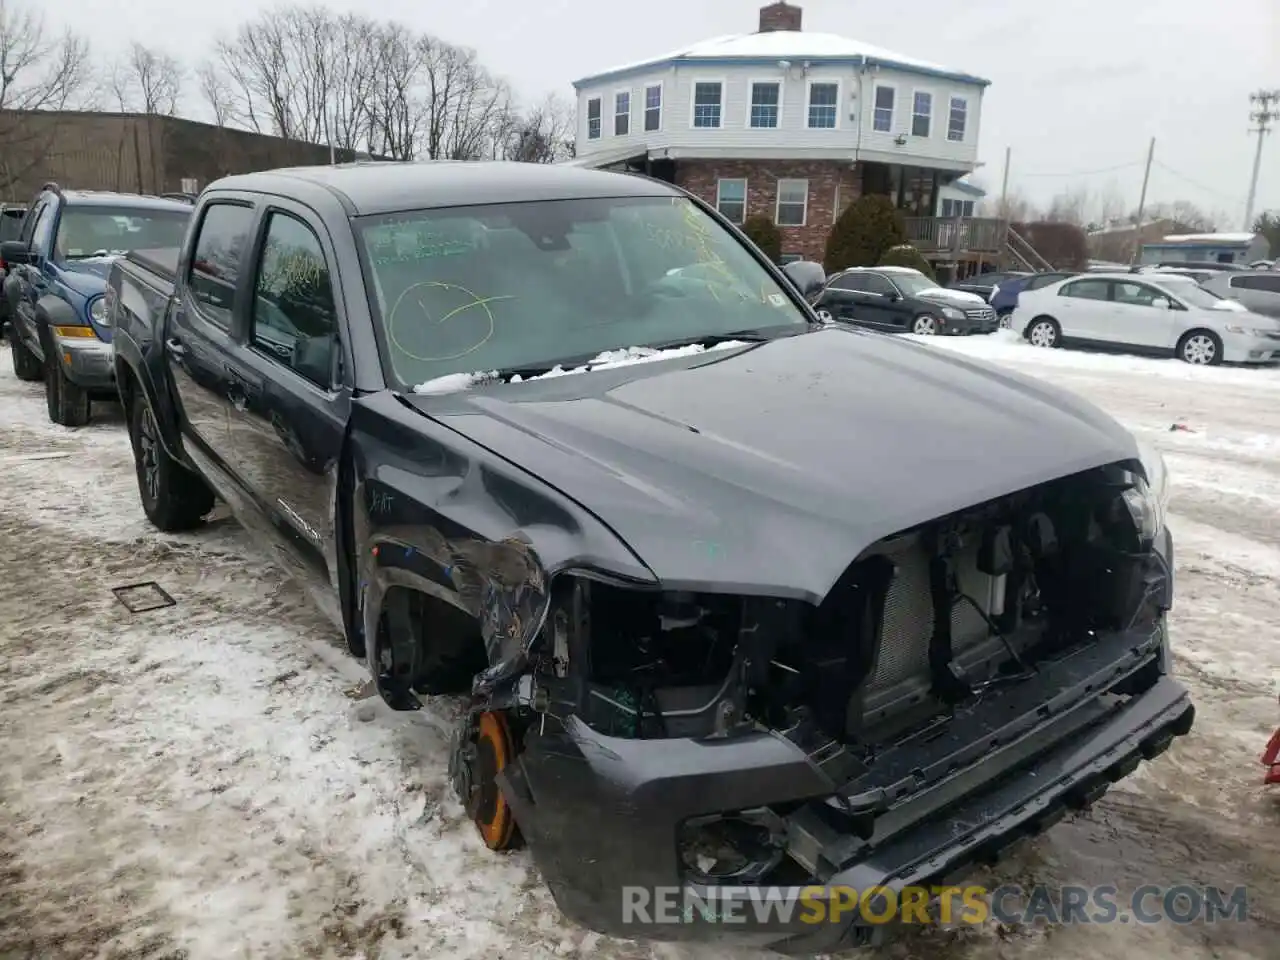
{"points": [[129, 375]]}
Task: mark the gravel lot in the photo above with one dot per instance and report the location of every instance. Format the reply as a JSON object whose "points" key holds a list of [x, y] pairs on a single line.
{"points": [[213, 780]]}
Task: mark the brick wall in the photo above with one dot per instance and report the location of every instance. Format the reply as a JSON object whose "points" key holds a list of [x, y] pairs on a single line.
{"points": [[762, 176]]}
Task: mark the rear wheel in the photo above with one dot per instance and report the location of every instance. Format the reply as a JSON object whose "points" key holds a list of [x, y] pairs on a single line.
{"points": [[68, 403], [1044, 332], [1201, 347], [26, 365], [173, 497]]}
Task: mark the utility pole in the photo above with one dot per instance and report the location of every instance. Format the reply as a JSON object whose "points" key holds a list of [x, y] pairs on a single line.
{"points": [[1006, 227], [1142, 204], [1004, 187], [1266, 101]]}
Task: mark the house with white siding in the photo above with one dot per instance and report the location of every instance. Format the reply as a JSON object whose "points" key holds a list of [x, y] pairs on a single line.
{"points": [[793, 125]]}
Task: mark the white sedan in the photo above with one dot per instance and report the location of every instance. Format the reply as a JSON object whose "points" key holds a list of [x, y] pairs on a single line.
{"points": [[1147, 313]]}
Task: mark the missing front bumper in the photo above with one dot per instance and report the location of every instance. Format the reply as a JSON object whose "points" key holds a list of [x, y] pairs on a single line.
{"points": [[601, 814]]}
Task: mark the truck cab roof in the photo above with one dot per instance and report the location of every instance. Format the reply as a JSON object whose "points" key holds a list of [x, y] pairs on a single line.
{"points": [[380, 187], [110, 198]]}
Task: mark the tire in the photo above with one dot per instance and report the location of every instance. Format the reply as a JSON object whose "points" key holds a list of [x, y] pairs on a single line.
{"points": [[173, 498], [1044, 332], [1200, 347], [925, 325], [26, 365], [68, 404]]}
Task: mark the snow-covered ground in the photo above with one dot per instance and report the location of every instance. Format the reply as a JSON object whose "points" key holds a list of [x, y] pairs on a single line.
{"points": [[214, 780]]}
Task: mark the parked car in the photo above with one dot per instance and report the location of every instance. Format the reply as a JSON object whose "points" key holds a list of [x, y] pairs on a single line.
{"points": [[677, 542], [1199, 276], [901, 300], [59, 263], [984, 284], [11, 215], [1211, 265], [1148, 313], [1258, 290], [1004, 297]]}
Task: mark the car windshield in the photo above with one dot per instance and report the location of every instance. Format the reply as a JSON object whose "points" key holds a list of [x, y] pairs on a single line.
{"points": [[105, 231], [912, 284], [1187, 289], [522, 286], [11, 224]]}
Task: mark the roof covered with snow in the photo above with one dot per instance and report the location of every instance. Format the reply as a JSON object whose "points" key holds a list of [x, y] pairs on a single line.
{"points": [[1210, 238], [792, 45]]}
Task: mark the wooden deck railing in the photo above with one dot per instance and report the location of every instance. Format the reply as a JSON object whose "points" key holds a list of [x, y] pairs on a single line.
{"points": [[934, 235]]}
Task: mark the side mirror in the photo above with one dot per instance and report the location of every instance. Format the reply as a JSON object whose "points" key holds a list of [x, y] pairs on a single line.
{"points": [[15, 251], [806, 276], [1160, 303], [893, 296]]}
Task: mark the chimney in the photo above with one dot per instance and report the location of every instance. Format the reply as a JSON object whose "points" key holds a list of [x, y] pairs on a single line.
{"points": [[779, 16]]}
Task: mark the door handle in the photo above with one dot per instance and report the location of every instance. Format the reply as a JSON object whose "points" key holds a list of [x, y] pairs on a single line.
{"points": [[173, 346]]}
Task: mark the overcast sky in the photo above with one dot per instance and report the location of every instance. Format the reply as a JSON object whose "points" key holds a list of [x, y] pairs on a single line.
{"points": [[1077, 86]]}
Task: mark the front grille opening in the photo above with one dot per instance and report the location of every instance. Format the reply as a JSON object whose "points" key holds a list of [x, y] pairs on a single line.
{"points": [[1018, 580]]}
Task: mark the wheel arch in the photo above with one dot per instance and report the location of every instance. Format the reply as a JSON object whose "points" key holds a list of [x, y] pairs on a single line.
{"points": [[130, 385], [1213, 335]]}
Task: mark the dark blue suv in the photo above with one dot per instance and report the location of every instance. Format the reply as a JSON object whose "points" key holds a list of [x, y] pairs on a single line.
{"points": [[57, 278]]}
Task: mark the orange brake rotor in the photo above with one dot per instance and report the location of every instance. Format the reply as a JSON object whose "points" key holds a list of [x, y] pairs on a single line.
{"points": [[494, 750]]}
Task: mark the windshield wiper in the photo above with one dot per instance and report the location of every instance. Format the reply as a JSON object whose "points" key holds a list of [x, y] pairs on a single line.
{"points": [[754, 335]]}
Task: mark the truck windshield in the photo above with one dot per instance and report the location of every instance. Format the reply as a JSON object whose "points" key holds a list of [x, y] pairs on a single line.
{"points": [[509, 287], [105, 231]]}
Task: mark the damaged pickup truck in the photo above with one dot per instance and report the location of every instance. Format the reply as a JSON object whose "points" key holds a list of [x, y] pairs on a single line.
{"points": [[736, 599]]}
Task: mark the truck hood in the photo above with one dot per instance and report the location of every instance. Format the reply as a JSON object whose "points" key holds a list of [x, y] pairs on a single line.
{"points": [[768, 469]]}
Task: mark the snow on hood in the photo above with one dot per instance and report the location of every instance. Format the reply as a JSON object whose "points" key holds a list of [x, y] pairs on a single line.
{"points": [[956, 296], [626, 356], [1234, 306]]}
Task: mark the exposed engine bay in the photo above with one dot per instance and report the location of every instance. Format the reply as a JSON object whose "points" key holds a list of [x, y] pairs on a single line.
{"points": [[921, 621]]}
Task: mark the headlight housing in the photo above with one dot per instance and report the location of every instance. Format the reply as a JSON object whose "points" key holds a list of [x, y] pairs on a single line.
{"points": [[951, 313], [98, 311], [1149, 503]]}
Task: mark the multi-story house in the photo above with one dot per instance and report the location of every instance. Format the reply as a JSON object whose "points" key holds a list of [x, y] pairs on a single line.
{"points": [[794, 125]]}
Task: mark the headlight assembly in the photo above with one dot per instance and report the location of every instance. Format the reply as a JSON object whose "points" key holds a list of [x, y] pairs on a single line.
{"points": [[98, 311], [951, 313], [1149, 501]]}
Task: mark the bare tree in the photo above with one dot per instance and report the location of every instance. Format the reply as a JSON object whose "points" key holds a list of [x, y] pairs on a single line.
{"points": [[1070, 206], [465, 107], [1186, 216], [38, 72], [542, 134], [1016, 208], [1112, 205], [216, 92], [148, 81], [304, 74], [395, 116]]}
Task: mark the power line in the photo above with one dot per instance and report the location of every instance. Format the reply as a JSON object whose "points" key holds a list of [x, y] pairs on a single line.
{"points": [[1195, 183], [1086, 173]]}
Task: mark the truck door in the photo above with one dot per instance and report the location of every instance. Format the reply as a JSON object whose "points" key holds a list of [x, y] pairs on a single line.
{"points": [[197, 335], [289, 403]]}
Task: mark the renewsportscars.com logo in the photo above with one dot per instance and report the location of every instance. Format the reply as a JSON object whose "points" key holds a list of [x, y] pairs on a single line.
{"points": [[972, 905]]}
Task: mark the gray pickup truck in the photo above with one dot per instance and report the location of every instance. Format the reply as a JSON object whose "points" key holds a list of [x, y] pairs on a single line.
{"points": [[738, 600]]}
